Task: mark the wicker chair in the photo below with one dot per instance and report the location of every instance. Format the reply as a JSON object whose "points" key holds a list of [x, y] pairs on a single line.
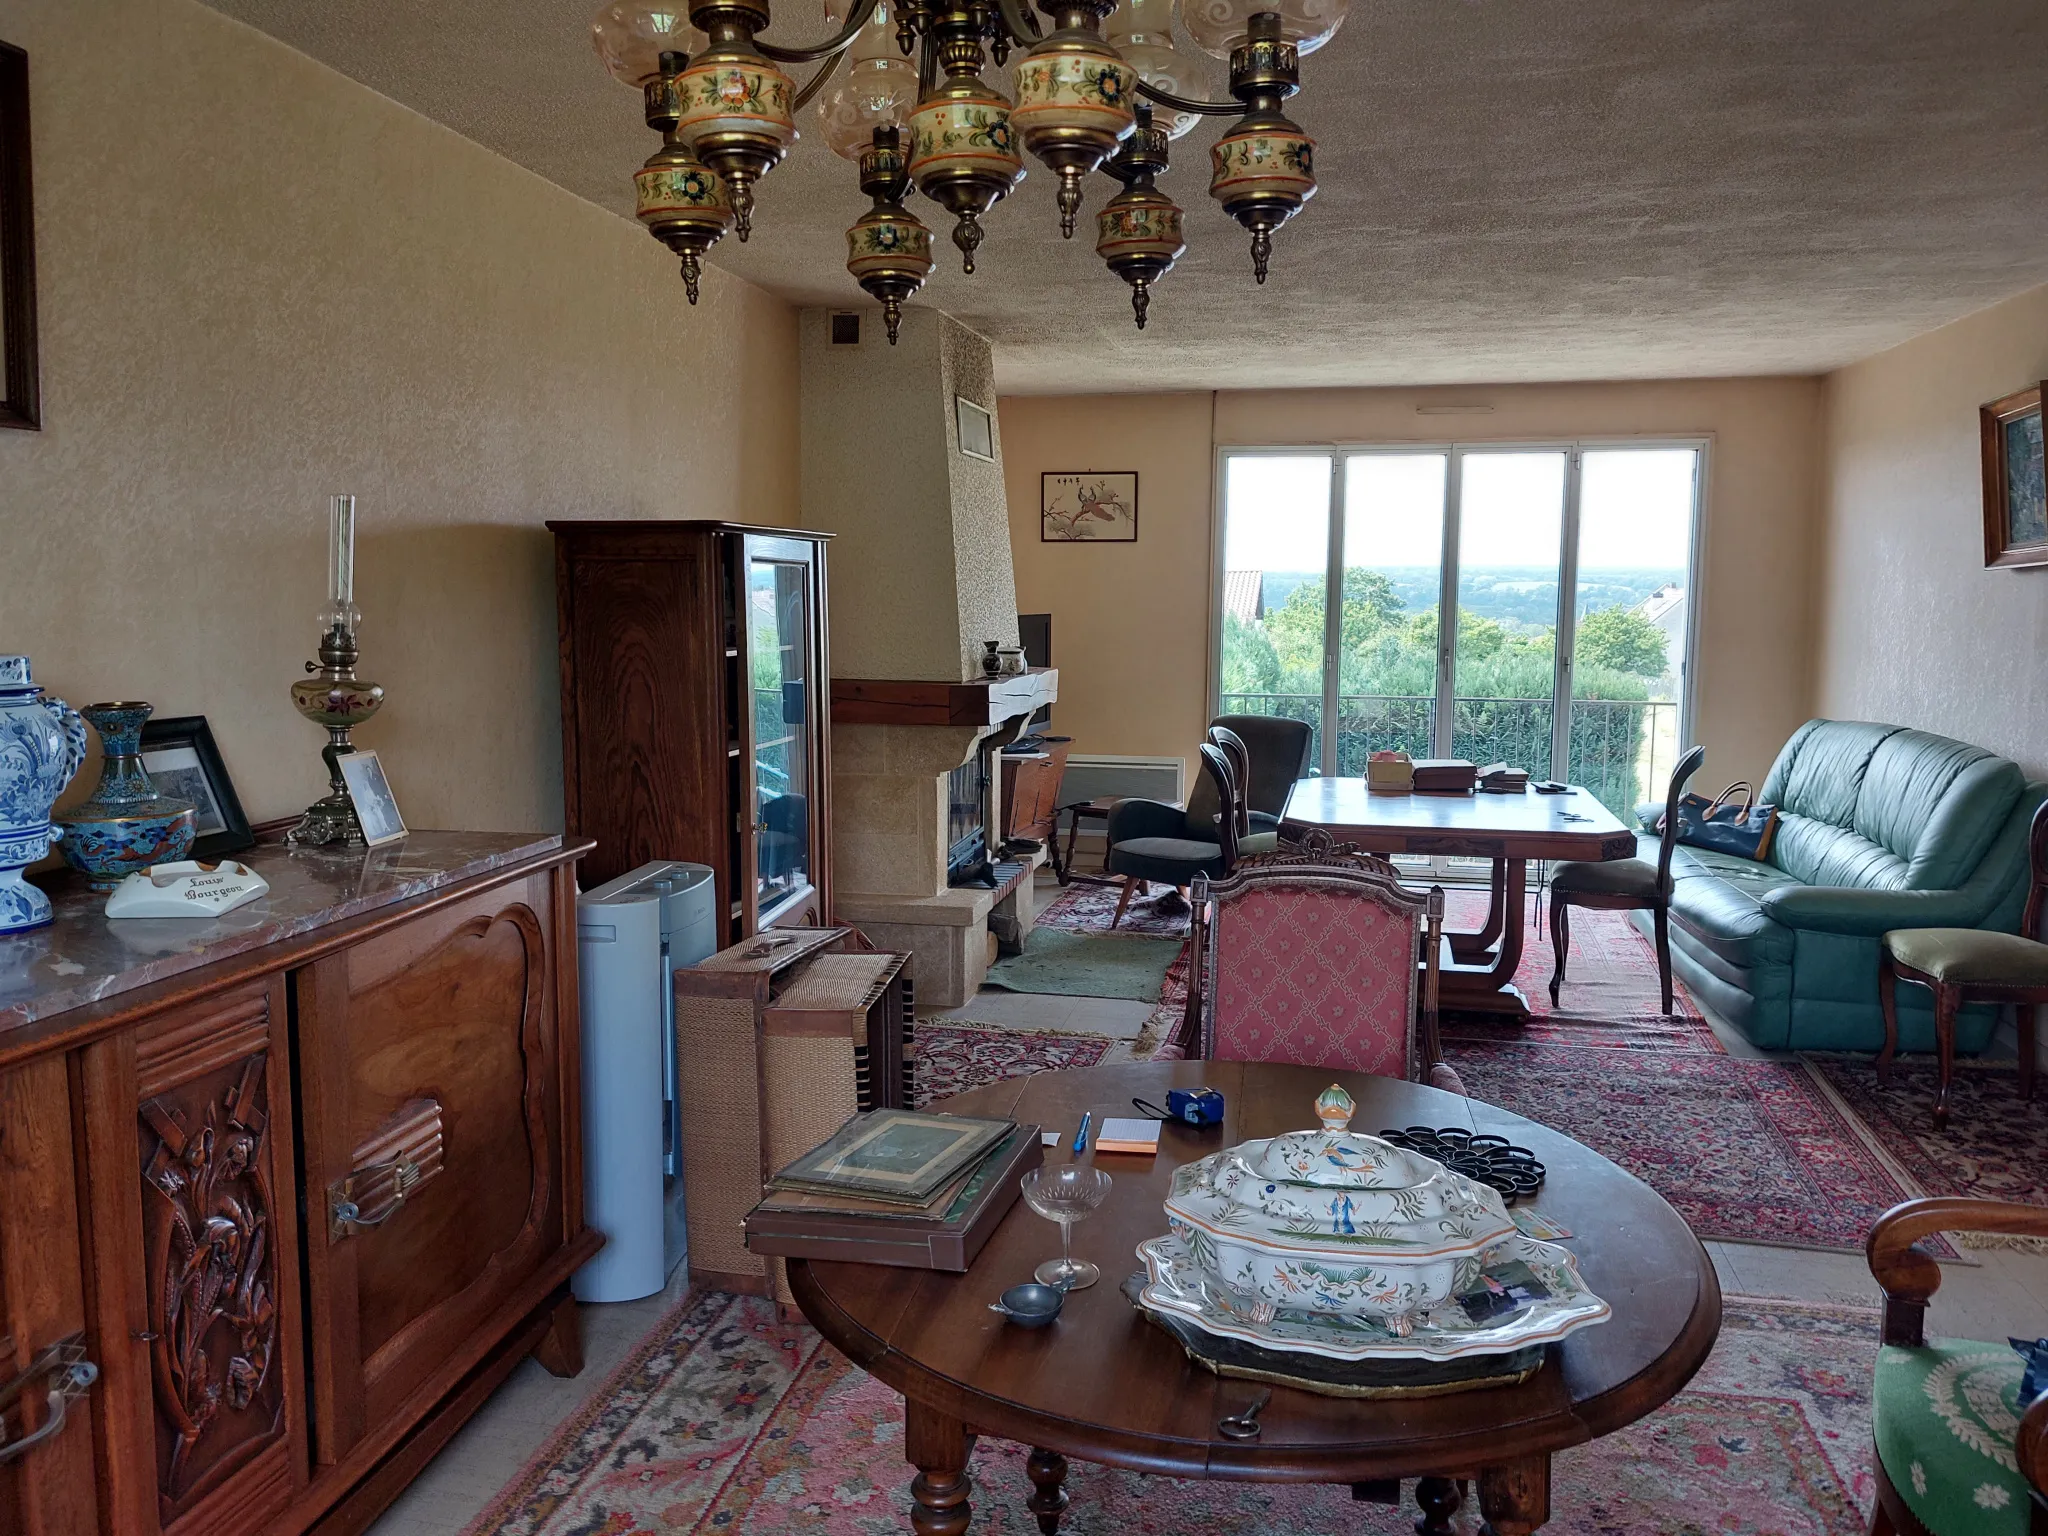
{"points": [[1316, 955]]}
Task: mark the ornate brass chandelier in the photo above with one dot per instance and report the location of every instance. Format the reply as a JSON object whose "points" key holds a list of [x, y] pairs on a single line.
{"points": [[914, 111]]}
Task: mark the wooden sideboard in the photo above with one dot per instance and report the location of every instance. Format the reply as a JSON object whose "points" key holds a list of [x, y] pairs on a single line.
{"points": [[302, 1184]]}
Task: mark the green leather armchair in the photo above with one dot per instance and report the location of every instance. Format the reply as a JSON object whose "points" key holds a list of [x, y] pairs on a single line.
{"points": [[1879, 828]]}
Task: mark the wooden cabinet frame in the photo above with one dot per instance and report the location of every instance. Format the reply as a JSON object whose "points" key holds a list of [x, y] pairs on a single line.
{"points": [[151, 1196]]}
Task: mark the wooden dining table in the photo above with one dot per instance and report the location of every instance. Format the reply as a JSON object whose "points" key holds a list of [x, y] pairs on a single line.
{"points": [[1102, 1384], [1509, 830]]}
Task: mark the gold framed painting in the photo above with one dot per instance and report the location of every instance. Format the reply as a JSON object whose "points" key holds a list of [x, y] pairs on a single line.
{"points": [[2015, 484]]}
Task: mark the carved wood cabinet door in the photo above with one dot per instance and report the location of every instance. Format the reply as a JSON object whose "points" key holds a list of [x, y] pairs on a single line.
{"points": [[196, 1263], [46, 1477], [431, 1086]]}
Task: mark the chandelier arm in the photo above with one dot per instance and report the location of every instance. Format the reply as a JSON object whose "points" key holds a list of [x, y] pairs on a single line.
{"points": [[1167, 98], [927, 65], [837, 43], [1022, 25], [817, 82]]}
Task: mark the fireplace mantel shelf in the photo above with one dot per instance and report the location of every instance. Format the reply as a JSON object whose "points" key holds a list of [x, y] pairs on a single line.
{"points": [[984, 702]]}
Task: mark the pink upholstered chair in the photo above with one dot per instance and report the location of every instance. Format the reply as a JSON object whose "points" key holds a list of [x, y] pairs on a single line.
{"points": [[1316, 955]]}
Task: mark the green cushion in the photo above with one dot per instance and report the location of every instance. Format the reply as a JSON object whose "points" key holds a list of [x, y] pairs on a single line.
{"points": [[1945, 1417], [1259, 842], [1971, 954], [1172, 860], [1610, 877]]}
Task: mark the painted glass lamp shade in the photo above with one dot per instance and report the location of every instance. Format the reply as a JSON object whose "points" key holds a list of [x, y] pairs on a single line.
{"points": [[631, 39], [878, 88], [1217, 26], [1142, 32]]}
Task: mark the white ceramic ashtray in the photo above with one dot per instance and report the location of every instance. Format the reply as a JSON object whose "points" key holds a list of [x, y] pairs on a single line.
{"points": [[186, 889]]}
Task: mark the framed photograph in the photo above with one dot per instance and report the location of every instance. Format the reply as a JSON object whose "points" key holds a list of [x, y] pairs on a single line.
{"points": [[20, 390], [1093, 506], [2015, 485], [376, 806], [182, 760], [977, 429]]}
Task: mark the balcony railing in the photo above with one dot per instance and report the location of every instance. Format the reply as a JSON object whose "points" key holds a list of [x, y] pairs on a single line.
{"points": [[1621, 749]]}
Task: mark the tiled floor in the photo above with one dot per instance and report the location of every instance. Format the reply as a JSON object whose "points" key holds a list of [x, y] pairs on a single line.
{"points": [[2006, 1293]]}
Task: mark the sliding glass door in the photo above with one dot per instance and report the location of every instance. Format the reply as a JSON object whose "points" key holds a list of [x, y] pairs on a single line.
{"points": [[1276, 551], [1510, 521], [1414, 598]]}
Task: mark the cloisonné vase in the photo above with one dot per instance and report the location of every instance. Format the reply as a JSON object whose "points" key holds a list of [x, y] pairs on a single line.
{"points": [[126, 825], [42, 742]]}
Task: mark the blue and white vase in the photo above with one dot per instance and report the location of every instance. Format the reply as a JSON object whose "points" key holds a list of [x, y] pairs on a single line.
{"points": [[42, 742], [126, 826]]}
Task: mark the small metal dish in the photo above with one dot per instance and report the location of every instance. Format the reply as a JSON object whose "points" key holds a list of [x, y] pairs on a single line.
{"points": [[1030, 1305]]}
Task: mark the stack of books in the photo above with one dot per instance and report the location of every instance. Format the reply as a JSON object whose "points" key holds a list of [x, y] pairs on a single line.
{"points": [[1500, 779], [1444, 775], [898, 1187]]}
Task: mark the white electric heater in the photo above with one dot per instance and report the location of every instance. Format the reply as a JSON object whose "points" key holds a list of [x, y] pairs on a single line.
{"points": [[632, 933]]}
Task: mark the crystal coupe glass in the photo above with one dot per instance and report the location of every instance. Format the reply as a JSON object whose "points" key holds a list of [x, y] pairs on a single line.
{"points": [[1066, 1195]]}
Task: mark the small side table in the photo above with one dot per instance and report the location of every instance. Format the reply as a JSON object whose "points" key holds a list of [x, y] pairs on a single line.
{"points": [[1079, 811]]}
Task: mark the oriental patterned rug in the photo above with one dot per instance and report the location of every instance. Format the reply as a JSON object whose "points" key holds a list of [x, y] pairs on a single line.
{"points": [[1747, 1151], [726, 1422], [954, 1056], [1996, 1144]]}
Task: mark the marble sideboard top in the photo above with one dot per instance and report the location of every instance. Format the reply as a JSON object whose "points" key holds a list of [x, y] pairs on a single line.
{"points": [[84, 957]]}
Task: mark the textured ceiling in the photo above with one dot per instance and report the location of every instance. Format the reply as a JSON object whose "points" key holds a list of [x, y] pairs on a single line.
{"points": [[1512, 190]]}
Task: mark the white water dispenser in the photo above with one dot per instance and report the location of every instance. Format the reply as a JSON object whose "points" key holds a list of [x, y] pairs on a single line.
{"points": [[632, 933]]}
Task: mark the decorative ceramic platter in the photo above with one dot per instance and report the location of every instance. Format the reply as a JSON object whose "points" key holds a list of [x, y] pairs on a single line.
{"points": [[1334, 1222], [1176, 1284]]}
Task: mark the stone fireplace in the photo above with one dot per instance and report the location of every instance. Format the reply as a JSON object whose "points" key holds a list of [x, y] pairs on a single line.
{"points": [[920, 577]]}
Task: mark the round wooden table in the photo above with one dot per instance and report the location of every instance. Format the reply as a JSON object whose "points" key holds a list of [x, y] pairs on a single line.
{"points": [[1107, 1386]]}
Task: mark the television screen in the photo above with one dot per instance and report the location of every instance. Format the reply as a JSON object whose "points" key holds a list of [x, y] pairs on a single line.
{"points": [[1034, 633]]}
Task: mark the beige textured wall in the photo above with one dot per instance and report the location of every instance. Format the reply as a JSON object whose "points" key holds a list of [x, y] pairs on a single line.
{"points": [[921, 571], [1131, 621], [269, 284], [1912, 628]]}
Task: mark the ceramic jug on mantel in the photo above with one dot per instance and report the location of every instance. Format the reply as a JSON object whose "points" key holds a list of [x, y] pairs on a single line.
{"points": [[42, 742]]}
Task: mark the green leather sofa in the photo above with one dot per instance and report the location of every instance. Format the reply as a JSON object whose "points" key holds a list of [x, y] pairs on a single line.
{"points": [[1879, 828]]}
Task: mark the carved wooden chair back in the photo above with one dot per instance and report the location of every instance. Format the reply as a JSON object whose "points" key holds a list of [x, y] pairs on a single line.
{"points": [[1229, 801], [1233, 747], [1688, 765], [2037, 866], [1317, 956]]}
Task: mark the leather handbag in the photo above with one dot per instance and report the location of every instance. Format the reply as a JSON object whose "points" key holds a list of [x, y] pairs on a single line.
{"points": [[1726, 825]]}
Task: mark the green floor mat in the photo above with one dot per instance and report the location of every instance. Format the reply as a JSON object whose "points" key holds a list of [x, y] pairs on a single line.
{"points": [[1087, 965]]}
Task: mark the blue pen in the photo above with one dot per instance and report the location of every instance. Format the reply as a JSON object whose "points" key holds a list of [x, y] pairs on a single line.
{"points": [[1081, 1136]]}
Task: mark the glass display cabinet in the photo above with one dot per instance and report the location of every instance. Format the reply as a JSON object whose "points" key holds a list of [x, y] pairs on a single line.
{"points": [[694, 722]]}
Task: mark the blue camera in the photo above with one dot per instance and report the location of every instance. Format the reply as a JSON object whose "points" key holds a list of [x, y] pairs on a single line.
{"points": [[1197, 1106]]}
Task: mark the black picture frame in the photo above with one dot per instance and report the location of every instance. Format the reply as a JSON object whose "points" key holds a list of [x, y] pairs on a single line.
{"points": [[20, 378], [1072, 501], [190, 736]]}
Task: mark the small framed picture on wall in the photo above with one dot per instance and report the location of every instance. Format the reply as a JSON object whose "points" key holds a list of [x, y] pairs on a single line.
{"points": [[2015, 482], [1091, 506]]}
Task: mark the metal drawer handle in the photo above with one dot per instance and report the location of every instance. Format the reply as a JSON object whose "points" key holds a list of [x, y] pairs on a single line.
{"points": [[69, 1374], [405, 1173]]}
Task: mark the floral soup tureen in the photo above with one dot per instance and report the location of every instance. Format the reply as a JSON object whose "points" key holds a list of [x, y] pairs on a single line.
{"points": [[1336, 1222]]}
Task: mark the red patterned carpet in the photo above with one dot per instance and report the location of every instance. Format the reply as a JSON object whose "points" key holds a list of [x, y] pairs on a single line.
{"points": [[952, 1058], [1747, 1151], [1996, 1144], [726, 1421]]}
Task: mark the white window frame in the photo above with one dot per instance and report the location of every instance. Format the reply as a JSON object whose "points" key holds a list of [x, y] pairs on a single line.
{"points": [[1567, 586]]}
